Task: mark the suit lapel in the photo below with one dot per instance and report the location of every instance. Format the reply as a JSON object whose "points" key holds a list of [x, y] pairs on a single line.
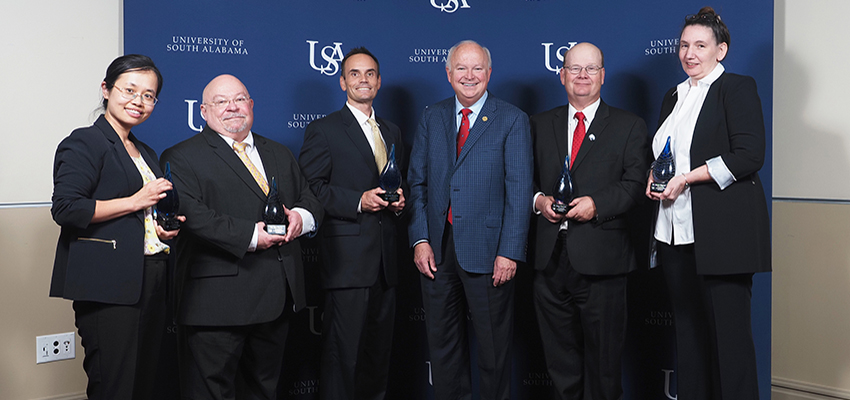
{"points": [[560, 131], [451, 131], [131, 173], [482, 121], [355, 133], [594, 132], [229, 157]]}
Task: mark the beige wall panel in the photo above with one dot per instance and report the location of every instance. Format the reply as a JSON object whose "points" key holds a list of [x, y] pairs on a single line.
{"points": [[27, 243], [811, 296]]}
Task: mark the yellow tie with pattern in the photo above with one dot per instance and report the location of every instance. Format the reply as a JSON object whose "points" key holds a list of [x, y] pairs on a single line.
{"points": [[380, 147], [240, 151]]}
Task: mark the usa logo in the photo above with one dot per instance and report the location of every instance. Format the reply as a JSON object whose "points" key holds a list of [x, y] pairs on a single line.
{"points": [[559, 53], [331, 55], [450, 6]]}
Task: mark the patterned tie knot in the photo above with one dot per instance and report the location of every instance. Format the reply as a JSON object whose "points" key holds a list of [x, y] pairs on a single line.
{"points": [[240, 146], [580, 116], [372, 123]]}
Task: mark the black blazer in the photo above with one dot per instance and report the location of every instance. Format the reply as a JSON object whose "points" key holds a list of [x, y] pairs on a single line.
{"points": [[220, 283], [611, 169], [339, 164], [100, 262], [732, 226]]}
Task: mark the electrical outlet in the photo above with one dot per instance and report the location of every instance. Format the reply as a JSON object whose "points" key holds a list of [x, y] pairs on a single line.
{"points": [[61, 346]]}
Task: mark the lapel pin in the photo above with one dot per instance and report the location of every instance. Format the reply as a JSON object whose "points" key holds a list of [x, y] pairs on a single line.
{"points": [[592, 137], [484, 118]]}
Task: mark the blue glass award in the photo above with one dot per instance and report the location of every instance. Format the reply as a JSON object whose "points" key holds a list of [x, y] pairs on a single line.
{"points": [[563, 190], [663, 169], [273, 215], [390, 179], [166, 209]]}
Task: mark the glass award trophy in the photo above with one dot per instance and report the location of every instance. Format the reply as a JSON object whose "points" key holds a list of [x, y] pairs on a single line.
{"points": [[663, 169], [166, 209], [390, 179], [563, 190], [273, 216]]}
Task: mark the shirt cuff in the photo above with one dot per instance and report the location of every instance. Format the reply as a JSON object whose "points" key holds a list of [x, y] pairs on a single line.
{"points": [[719, 172], [534, 203], [253, 245], [360, 206], [308, 223], [420, 241]]}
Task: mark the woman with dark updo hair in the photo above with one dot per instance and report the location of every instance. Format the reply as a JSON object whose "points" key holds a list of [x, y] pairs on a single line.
{"points": [[712, 230], [111, 259]]}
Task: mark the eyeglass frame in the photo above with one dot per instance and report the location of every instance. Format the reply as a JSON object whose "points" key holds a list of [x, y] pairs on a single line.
{"points": [[224, 103], [127, 96], [597, 68]]}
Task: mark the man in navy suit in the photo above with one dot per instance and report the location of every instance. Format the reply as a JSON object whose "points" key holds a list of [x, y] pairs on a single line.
{"points": [[582, 257], [342, 157], [470, 185]]}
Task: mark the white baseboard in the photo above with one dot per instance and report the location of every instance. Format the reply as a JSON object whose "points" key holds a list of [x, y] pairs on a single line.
{"points": [[789, 389]]}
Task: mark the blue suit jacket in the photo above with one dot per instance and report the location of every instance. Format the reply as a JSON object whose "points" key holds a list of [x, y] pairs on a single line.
{"points": [[488, 184]]}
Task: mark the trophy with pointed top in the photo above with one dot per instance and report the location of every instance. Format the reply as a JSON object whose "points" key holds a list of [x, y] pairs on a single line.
{"points": [[273, 215], [167, 207], [390, 179], [563, 190], [663, 169]]}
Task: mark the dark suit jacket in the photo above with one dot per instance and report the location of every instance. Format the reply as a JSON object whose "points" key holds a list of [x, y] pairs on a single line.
{"points": [[219, 282], [339, 164], [610, 169], [488, 185], [100, 262], [731, 226]]}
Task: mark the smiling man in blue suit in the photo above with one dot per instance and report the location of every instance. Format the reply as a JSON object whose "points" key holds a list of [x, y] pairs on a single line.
{"points": [[470, 180]]}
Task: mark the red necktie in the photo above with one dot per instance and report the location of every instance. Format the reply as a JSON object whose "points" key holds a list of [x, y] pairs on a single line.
{"points": [[462, 134], [578, 137]]}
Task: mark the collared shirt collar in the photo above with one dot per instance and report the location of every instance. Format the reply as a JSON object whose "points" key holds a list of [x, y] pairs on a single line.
{"points": [[248, 139], [589, 111], [709, 79], [359, 116], [476, 110]]}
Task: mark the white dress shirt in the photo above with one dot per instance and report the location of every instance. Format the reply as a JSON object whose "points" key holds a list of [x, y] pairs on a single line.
{"points": [[675, 224]]}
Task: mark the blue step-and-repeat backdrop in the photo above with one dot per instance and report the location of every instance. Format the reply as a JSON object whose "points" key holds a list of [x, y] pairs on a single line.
{"points": [[288, 54]]}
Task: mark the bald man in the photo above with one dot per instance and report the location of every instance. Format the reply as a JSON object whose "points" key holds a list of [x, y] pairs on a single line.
{"points": [[236, 284], [582, 257]]}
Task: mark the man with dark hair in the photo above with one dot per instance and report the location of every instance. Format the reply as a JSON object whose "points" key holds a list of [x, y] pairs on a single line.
{"points": [[342, 157], [237, 285]]}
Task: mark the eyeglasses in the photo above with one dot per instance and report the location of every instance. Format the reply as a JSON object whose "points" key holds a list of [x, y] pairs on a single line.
{"points": [[707, 17], [131, 94], [239, 101], [591, 69]]}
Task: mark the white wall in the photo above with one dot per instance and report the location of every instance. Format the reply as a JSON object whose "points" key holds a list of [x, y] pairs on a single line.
{"points": [[811, 239], [53, 55]]}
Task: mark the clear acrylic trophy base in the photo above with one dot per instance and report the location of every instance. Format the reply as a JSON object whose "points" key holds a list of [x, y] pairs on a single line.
{"points": [[389, 197], [560, 208], [168, 224], [657, 187], [276, 229]]}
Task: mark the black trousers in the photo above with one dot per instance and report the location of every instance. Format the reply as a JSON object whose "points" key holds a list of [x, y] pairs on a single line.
{"points": [[454, 298], [122, 342], [582, 322], [233, 362], [357, 333], [716, 357]]}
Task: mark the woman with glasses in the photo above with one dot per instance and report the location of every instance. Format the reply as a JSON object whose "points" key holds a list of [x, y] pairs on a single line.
{"points": [[111, 259], [712, 228]]}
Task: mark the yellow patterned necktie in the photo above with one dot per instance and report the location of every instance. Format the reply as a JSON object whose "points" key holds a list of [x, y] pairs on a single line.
{"points": [[380, 148], [240, 151]]}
